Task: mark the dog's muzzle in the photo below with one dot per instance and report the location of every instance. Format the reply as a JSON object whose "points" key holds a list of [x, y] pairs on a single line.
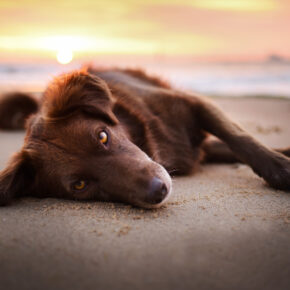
{"points": [[159, 190]]}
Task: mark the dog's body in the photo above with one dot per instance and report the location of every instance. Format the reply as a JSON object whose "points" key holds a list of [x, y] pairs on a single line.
{"points": [[108, 135]]}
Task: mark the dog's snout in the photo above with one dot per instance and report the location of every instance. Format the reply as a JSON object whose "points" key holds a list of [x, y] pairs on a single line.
{"points": [[157, 191]]}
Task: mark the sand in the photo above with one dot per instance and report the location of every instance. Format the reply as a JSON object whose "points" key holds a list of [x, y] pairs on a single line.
{"points": [[223, 228]]}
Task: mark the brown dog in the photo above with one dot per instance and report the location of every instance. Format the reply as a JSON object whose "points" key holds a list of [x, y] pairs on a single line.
{"points": [[113, 135]]}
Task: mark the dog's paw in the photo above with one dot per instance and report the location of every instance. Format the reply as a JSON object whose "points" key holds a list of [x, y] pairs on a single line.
{"points": [[278, 173]]}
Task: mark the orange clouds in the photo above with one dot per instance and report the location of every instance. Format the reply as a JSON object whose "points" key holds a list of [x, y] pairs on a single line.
{"points": [[199, 27]]}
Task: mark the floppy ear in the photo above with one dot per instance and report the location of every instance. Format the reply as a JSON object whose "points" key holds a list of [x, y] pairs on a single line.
{"points": [[78, 91], [16, 179]]}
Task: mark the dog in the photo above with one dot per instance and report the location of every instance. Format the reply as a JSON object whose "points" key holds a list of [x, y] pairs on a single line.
{"points": [[117, 134]]}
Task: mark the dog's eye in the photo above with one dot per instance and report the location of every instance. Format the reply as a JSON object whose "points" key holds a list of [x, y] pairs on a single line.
{"points": [[79, 185], [103, 137]]}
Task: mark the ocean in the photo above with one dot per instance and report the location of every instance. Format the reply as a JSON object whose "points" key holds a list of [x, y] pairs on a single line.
{"points": [[264, 79]]}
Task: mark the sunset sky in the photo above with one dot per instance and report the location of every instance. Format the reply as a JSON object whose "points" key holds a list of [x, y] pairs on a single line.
{"points": [[199, 28]]}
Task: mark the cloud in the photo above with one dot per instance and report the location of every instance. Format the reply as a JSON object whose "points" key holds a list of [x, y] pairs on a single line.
{"points": [[151, 26]]}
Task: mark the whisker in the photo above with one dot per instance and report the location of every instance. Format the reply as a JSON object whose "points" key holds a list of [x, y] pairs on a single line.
{"points": [[173, 170]]}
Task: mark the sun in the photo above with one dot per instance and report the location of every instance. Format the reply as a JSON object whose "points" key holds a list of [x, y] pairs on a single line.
{"points": [[64, 56]]}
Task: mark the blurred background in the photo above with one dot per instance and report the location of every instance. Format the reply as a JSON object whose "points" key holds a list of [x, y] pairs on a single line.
{"points": [[214, 47]]}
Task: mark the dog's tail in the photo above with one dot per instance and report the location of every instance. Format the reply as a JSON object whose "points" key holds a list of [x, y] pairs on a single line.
{"points": [[218, 152], [15, 108]]}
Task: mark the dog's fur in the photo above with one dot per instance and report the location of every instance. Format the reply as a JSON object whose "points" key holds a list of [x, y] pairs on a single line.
{"points": [[152, 128]]}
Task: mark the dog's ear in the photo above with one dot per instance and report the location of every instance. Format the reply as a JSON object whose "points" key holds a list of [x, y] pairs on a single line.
{"points": [[17, 178], [78, 91]]}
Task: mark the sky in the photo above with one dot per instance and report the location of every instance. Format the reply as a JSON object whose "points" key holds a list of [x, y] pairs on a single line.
{"points": [[206, 29]]}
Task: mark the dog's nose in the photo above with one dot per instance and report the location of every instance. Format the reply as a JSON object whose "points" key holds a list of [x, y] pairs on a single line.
{"points": [[157, 191]]}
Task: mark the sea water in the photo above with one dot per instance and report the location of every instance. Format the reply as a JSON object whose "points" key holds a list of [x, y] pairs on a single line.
{"points": [[264, 79]]}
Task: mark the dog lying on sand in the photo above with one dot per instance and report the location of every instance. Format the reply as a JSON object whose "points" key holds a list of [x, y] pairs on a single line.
{"points": [[116, 135]]}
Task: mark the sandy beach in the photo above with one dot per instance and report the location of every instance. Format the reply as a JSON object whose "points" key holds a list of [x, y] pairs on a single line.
{"points": [[223, 228]]}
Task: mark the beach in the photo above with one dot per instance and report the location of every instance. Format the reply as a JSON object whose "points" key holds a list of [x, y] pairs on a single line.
{"points": [[223, 228]]}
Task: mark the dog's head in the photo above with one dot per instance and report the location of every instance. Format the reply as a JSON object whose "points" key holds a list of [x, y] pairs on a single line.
{"points": [[77, 148]]}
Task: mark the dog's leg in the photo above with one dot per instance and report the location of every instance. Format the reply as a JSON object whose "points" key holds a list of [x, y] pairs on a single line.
{"points": [[15, 108], [219, 152], [272, 166], [284, 151]]}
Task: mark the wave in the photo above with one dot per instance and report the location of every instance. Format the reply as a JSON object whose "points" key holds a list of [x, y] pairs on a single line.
{"points": [[248, 79]]}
